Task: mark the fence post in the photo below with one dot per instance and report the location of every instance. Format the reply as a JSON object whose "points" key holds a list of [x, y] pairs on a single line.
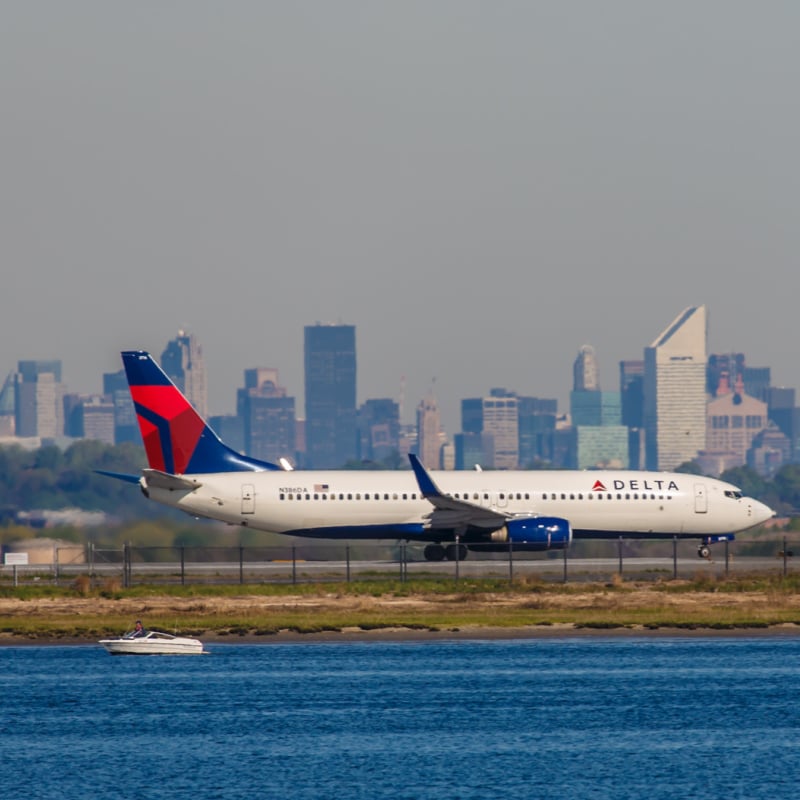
{"points": [[727, 558], [619, 549], [457, 554], [674, 558], [403, 563], [294, 564], [566, 550], [241, 565], [347, 559], [510, 561], [785, 558], [55, 563], [126, 565]]}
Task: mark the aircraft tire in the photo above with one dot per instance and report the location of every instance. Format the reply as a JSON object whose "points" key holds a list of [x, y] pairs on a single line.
{"points": [[703, 552], [451, 552], [434, 552]]}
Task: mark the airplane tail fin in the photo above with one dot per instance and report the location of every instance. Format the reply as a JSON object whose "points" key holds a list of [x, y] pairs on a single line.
{"points": [[176, 438]]}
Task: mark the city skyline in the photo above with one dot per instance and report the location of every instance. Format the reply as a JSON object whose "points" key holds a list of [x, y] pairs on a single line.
{"points": [[608, 380], [480, 189]]}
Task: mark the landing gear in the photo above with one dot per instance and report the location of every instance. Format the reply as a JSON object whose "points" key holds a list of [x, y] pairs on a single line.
{"points": [[438, 552], [456, 551], [434, 552], [703, 549]]}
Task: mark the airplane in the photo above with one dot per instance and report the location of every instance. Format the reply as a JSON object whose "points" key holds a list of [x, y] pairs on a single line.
{"points": [[452, 512]]}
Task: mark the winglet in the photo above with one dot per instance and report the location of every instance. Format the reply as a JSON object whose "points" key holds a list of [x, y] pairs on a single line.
{"points": [[426, 485]]}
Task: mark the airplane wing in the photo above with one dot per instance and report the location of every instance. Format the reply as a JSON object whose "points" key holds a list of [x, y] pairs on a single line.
{"points": [[448, 512]]}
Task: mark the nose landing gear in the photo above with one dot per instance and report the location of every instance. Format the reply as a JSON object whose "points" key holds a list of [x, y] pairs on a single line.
{"points": [[703, 549]]}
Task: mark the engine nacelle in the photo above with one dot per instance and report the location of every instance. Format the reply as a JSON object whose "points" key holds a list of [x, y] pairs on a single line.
{"points": [[535, 533]]}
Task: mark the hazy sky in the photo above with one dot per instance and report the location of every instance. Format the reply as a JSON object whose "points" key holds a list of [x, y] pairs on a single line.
{"points": [[480, 187]]}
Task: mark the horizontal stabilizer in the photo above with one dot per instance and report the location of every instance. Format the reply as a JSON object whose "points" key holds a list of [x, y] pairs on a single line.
{"points": [[120, 476], [163, 480]]}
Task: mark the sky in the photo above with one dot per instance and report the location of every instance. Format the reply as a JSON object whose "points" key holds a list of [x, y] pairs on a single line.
{"points": [[481, 188]]}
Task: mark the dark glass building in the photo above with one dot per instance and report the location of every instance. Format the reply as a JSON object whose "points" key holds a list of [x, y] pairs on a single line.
{"points": [[330, 380]]}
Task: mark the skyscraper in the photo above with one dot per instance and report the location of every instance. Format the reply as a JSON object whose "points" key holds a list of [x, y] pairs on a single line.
{"points": [[675, 391], [631, 387], [429, 427], [379, 429], [268, 416], [38, 399], [126, 428], [585, 371], [183, 361], [501, 421], [330, 389]]}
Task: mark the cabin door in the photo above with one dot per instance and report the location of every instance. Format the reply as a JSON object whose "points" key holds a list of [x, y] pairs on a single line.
{"points": [[248, 498], [700, 498]]}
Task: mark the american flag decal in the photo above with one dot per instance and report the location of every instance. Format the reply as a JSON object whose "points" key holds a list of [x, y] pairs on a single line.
{"points": [[320, 487]]}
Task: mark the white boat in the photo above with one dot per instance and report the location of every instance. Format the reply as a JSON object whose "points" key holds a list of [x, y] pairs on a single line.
{"points": [[153, 643]]}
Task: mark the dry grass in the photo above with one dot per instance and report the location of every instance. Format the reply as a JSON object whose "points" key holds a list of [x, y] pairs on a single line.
{"points": [[613, 605]]}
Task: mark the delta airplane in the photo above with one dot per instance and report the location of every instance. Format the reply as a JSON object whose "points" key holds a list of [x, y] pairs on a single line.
{"points": [[191, 469]]}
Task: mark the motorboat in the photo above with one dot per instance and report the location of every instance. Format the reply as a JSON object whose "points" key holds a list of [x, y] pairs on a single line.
{"points": [[153, 643]]}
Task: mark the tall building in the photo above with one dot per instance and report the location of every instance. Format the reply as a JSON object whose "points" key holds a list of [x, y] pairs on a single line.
{"points": [[537, 425], [378, 429], [494, 422], [115, 387], [585, 371], [429, 427], [595, 408], [330, 395], [183, 361], [38, 399], [97, 419], [675, 391], [8, 422], [268, 416], [631, 387], [470, 449], [734, 419]]}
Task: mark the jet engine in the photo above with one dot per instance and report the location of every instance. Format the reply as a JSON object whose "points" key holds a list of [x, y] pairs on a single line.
{"points": [[536, 533]]}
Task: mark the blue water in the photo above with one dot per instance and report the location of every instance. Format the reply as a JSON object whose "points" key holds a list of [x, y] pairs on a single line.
{"points": [[555, 718]]}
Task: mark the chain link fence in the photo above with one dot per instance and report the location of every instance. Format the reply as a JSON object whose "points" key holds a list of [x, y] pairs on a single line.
{"points": [[316, 562]]}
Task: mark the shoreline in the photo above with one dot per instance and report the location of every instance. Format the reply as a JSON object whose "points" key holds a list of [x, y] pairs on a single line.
{"points": [[409, 635]]}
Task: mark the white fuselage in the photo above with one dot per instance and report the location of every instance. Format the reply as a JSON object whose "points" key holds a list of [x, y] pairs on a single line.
{"points": [[388, 504]]}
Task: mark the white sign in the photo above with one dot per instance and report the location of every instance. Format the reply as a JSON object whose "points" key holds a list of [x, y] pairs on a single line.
{"points": [[16, 559]]}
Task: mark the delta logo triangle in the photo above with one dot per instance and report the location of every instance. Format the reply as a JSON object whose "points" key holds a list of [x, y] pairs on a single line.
{"points": [[598, 487]]}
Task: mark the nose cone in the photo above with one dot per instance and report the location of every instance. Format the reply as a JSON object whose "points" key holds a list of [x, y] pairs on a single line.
{"points": [[760, 512]]}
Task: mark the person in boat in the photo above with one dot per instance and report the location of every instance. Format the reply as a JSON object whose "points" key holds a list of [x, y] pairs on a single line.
{"points": [[138, 630]]}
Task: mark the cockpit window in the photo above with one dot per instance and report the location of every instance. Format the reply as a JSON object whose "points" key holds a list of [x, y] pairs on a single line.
{"points": [[736, 495]]}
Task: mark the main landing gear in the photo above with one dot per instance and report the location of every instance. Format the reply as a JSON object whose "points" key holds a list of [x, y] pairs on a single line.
{"points": [[451, 552]]}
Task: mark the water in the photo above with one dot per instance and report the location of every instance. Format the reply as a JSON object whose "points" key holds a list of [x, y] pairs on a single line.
{"points": [[555, 718]]}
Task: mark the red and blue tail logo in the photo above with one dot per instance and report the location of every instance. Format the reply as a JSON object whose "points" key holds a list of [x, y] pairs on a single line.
{"points": [[176, 438]]}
